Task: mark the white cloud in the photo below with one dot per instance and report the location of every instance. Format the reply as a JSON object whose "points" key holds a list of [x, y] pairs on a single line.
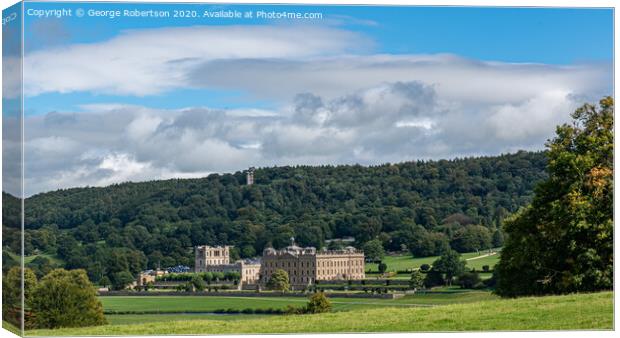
{"points": [[334, 106], [145, 62]]}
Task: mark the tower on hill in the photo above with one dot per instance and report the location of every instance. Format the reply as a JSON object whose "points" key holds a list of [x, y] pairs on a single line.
{"points": [[250, 176]]}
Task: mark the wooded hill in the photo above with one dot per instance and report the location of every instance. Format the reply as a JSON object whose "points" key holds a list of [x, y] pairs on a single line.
{"points": [[415, 206]]}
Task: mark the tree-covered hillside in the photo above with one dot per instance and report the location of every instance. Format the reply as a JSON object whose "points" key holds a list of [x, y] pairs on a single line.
{"points": [[416, 206]]}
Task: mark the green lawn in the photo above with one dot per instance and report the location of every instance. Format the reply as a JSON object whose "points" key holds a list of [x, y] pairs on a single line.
{"points": [[210, 304], [405, 262], [571, 312], [160, 318]]}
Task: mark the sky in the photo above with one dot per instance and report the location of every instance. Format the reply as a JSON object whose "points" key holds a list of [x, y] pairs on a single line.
{"points": [[110, 100]]}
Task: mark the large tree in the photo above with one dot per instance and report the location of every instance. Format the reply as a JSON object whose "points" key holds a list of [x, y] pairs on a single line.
{"points": [[66, 299], [563, 241], [449, 265], [279, 281]]}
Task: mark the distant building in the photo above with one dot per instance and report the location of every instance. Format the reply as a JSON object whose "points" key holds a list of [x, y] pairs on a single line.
{"points": [[305, 266], [217, 259], [211, 255], [250, 176], [149, 276]]}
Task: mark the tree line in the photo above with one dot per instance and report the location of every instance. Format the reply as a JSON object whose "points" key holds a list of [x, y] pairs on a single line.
{"points": [[419, 207]]}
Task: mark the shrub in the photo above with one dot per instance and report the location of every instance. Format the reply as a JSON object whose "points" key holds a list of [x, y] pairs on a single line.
{"points": [[485, 268], [318, 303], [382, 267], [469, 280], [425, 267]]}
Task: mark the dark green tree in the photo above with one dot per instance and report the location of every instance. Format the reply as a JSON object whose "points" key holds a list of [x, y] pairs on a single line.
{"points": [[105, 281], [373, 250], [449, 265], [417, 280], [563, 241], [121, 280], [382, 267], [469, 280]]}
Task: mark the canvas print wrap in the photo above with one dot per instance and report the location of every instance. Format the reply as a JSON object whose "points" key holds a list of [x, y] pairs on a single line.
{"points": [[173, 168]]}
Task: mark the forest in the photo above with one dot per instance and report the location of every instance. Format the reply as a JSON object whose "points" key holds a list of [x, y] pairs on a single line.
{"points": [[419, 207]]}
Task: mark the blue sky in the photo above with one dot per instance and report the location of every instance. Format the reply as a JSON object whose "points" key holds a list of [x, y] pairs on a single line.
{"points": [[128, 99], [523, 35]]}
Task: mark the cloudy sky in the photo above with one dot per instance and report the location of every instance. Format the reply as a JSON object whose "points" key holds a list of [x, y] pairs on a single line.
{"points": [[144, 99]]}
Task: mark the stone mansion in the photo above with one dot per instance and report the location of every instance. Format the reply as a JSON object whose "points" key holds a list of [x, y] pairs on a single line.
{"points": [[304, 266]]}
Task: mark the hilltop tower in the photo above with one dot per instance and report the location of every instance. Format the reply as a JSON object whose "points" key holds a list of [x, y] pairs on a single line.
{"points": [[250, 176]]}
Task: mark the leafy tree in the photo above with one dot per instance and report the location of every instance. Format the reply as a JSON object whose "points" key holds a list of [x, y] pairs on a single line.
{"points": [[425, 267], [318, 303], [417, 280], [563, 241], [198, 283], [12, 293], [373, 250], [382, 267], [66, 299], [121, 280], [471, 238], [279, 281], [105, 281], [433, 278], [498, 238], [449, 265], [469, 280]]}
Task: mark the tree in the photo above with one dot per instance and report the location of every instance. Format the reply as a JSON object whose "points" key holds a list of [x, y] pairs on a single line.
{"points": [[469, 280], [563, 241], [449, 265], [121, 280], [433, 278], [198, 283], [382, 267], [471, 238], [417, 280], [498, 238], [373, 250], [66, 299], [12, 293], [279, 281], [318, 303], [105, 281], [425, 267]]}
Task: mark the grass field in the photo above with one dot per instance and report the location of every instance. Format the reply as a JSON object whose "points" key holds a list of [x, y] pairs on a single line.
{"points": [[405, 262], [576, 312], [209, 304]]}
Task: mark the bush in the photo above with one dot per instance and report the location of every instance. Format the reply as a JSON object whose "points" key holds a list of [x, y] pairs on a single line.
{"points": [[485, 268], [66, 299], [382, 267], [469, 280], [433, 278], [425, 267], [318, 303]]}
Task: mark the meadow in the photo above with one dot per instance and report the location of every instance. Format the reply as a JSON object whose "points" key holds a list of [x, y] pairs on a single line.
{"points": [[206, 304], [407, 262], [569, 312]]}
